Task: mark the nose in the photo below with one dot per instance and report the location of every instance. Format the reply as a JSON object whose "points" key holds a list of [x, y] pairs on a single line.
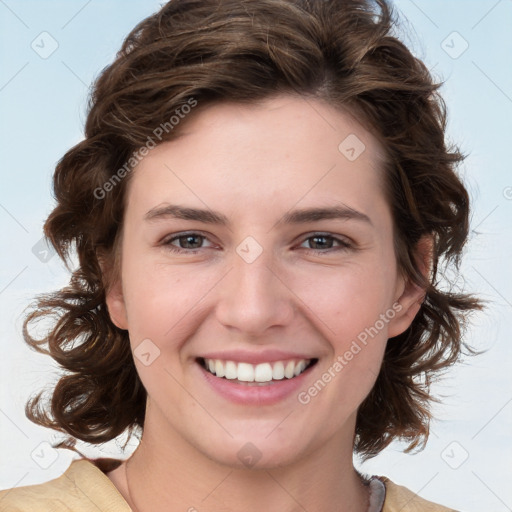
{"points": [[254, 296]]}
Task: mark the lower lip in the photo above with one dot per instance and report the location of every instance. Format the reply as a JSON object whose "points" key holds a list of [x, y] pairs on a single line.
{"points": [[269, 394]]}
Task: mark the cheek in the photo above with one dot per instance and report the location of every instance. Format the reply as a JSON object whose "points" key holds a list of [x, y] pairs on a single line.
{"points": [[164, 308], [353, 312], [347, 301], [166, 302], [162, 300], [353, 309]]}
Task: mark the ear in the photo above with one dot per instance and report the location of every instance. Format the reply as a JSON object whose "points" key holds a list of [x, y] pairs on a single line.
{"points": [[409, 295], [116, 305], [114, 296]]}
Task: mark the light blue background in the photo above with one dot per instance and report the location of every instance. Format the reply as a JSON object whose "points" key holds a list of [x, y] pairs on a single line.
{"points": [[42, 110]]}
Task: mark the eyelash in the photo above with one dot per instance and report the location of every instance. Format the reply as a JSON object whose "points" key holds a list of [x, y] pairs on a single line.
{"points": [[343, 244]]}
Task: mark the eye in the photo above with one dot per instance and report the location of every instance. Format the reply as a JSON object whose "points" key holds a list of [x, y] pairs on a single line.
{"points": [[185, 243], [191, 243], [321, 242]]}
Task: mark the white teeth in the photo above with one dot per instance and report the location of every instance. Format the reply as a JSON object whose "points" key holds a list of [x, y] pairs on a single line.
{"points": [[263, 372], [245, 372], [219, 368], [278, 371], [231, 371], [289, 370], [299, 368]]}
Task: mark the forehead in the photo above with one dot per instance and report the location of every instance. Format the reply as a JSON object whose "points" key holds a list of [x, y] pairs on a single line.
{"points": [[284, 149]]}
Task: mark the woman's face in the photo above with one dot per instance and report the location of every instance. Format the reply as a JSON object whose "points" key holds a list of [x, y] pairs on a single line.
{"points": [[259, 245]]}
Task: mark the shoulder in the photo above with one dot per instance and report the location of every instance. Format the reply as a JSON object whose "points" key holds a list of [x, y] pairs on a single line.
{"points": [[401, 499], [83, 487]]}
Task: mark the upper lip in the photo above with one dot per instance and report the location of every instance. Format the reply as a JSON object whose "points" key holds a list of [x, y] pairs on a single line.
{"points": [[262, 356]]}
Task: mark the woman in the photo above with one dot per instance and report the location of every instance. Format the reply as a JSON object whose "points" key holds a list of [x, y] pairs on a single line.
{"points": [[260, 207]]}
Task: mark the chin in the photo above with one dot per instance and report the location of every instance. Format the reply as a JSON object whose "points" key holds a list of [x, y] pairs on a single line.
{"points": [[256, 452]]}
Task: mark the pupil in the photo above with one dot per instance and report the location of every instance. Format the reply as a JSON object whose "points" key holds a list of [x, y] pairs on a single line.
{"points": [[320, 240], [189, 241]]}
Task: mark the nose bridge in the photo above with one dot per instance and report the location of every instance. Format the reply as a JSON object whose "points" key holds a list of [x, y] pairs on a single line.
{"points": [[253, 297]]}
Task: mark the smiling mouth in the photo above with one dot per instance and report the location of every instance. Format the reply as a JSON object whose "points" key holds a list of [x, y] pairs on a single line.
{"points": [[256, 374]]}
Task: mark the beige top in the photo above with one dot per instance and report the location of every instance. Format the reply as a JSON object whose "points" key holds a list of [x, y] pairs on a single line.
{"points": [[85, 488]]}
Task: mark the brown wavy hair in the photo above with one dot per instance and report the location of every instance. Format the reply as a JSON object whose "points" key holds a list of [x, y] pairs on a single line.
{"points": [[342, 52]]}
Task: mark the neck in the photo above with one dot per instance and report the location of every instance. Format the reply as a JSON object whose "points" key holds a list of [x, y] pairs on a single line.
{"points": [[160, 475]]}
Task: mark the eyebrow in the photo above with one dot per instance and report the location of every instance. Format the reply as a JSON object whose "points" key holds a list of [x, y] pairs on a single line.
{"points": [[300, 216], [186, 213], [343, 212]]}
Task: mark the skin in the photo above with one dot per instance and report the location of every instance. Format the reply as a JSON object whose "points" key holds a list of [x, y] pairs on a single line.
{"points": [[254, 164]]}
